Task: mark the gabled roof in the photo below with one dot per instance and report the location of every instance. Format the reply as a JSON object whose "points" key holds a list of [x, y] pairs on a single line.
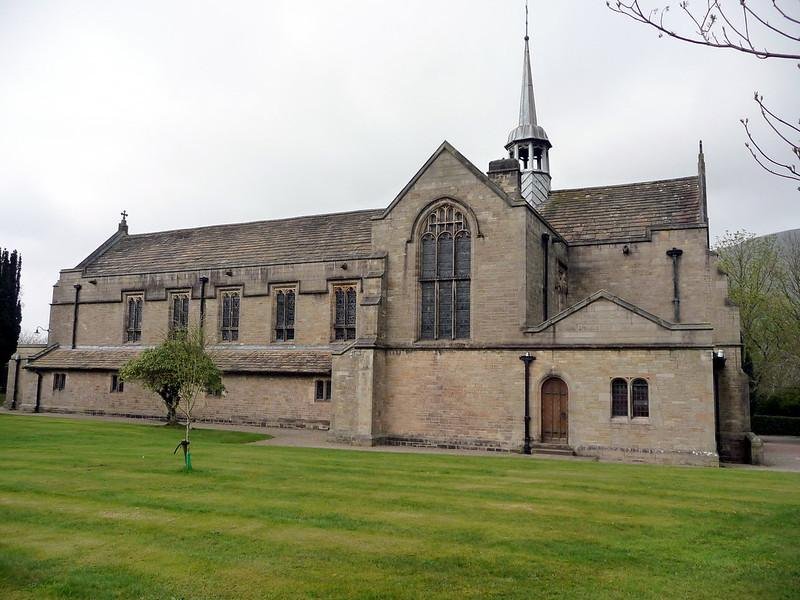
{"points": [[624, 212], [628, 306], [301, 239], [229, 360], [446, 146]]}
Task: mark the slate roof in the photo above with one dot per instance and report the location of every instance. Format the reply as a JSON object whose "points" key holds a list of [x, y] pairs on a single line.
{"points": [[623, 212], [232, 360], [301, 239]]}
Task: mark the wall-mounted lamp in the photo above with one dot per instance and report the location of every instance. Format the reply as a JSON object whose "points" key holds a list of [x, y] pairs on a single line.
{"points": [[626, 250]]}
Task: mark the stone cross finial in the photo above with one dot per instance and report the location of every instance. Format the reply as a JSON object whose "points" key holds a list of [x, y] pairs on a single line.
{"points": [[123, 225]]}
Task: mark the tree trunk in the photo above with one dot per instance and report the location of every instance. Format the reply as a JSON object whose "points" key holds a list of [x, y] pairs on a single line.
{"points": [[172, 404], [172, 414]]}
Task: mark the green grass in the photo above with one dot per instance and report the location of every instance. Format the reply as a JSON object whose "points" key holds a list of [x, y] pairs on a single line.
{"points": [[97, 510]]}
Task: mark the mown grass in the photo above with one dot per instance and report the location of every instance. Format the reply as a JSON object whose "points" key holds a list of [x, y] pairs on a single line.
{"points": [[103, 510]]}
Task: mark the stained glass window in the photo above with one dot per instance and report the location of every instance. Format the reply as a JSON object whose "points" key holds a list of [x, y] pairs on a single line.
{"points": [[133, 319], [231, 301], [445, 269], [284, 315], [180, 312], [344, 324]]}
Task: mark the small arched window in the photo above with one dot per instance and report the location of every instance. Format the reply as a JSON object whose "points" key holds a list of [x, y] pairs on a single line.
{"points": [[640, 396], [619, 398], [445, 266]]}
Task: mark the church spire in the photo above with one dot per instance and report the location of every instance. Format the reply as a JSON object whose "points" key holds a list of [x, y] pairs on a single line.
{"points": [[527, 104], [528, 141]]}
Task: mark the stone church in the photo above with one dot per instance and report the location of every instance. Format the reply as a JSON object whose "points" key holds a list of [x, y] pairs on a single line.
{"points": [[473, 308]]}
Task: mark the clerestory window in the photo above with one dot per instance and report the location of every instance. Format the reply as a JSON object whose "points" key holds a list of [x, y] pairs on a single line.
{"points": [[179, 312], [445, 266], [229, 323], [284, 315], [344, 319], [133, 319]]}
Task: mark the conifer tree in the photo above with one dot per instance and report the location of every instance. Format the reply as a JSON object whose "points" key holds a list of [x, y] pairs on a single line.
{"points": [[10, 308]]}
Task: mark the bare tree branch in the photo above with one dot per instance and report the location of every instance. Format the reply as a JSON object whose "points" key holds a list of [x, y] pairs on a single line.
{"points": [[715, 15]]}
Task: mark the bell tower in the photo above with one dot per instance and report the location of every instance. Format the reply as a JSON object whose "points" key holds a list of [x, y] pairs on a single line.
{"points": [[528, 141]]}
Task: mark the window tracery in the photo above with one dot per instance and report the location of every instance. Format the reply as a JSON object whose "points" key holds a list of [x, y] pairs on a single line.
{"points": [[445, 269]]}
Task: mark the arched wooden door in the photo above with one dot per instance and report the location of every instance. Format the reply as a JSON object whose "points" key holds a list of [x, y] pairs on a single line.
{"points": [[555, 406]]}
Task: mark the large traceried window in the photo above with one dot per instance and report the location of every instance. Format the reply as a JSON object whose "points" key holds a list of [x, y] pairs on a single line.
{"points": [[445, 265], [133, 319]]}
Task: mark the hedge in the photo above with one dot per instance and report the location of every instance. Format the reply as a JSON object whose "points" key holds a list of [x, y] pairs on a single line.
{"points": [[768, 425]]}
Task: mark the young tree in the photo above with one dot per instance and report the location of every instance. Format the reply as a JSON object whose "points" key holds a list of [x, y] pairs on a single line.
{"points": [[766, 30], [762, 276], [10, 307], [179, 370]]}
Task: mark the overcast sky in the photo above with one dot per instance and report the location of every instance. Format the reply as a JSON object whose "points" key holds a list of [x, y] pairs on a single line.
{"points": [[195, 113]]}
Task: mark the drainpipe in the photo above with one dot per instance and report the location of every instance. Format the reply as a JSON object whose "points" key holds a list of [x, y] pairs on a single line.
{"points": [[16, 383], [719, 365], [675, 254], [203, 282], [75, 314], [38, 391], [546, 270], [527, 359]]}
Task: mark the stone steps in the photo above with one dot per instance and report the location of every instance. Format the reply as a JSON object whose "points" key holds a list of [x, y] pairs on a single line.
{"points": [[553, 449]]}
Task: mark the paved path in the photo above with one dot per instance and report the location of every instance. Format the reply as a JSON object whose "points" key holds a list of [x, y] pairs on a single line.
{"points": [[782, 452]]}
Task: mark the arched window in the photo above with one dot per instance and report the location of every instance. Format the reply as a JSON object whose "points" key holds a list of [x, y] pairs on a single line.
{"points": [[640, 398], [619, 398], [445, 266]]}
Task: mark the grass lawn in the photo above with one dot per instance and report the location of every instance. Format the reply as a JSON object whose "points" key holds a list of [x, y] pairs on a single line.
{"points": [[96, 510]]}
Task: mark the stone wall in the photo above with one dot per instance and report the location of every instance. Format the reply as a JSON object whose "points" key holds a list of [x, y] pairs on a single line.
{"points": [[474, 399], [101, 315], [501, 286], [644, 278], [21, 389], [276, 401]]}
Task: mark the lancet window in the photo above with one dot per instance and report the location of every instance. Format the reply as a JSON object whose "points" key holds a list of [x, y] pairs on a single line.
{"points": [[344, 320]]}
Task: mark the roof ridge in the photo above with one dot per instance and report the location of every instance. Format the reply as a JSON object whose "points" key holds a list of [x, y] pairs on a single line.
{"points": [[634, 183], [283, 219]]}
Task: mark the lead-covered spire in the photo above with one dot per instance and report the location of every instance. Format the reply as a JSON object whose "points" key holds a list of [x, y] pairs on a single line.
{"points": [[528, 127], [528, 141]]}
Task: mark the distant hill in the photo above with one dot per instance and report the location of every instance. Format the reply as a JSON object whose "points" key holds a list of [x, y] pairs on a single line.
{"points": [[786, 238]]}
